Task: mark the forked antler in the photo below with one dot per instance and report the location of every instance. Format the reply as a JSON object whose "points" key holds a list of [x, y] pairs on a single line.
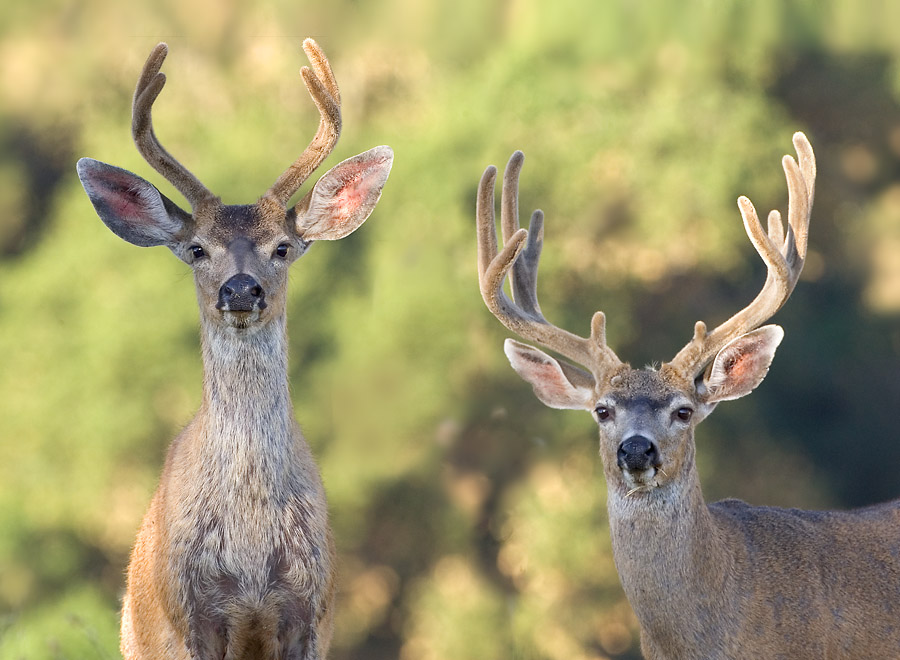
{"points": [[323, 89], [520, 254], [783, 253], [149, 86]]}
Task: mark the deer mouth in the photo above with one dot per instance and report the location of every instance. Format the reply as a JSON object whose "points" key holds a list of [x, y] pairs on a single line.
{"points": [[240, 320], [644, 480]]}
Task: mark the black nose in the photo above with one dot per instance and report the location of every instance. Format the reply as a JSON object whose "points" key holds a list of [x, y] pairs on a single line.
{"points": [[637, 453], [241, 293]]}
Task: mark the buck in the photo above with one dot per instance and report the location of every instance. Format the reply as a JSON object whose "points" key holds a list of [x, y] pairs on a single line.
{"points": [[724, 580], [235, 557]]}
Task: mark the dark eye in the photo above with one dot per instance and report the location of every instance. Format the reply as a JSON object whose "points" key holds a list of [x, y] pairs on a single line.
{"points": [[603, 413], [197, 252], [684, 414], [282, 250]]}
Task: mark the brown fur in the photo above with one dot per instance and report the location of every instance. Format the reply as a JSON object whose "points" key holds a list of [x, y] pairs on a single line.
{"points": [[235, 559], [730, 580], [726, 581], [239, 520]]}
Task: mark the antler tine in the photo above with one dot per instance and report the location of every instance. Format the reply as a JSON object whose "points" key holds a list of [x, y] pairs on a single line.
{"points": [[783, 252], [323, 88], [521, 254], [523, 280], [149, 86], [322, 69]]}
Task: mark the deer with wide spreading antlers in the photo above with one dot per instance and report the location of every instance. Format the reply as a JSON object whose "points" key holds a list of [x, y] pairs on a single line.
{"points": [[725, 580], [235, 558]]}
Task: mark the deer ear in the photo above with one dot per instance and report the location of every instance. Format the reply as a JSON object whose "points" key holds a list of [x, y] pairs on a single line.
{"points": [[742, 364], [557, 384], [344, 197], [130, 206]]}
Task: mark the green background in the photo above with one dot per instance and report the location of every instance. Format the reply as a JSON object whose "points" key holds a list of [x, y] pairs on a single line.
{"points": [[470, 519]]}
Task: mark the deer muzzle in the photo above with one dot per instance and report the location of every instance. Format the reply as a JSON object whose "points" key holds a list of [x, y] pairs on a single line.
{"points": [[637, 454], [241, 293]]}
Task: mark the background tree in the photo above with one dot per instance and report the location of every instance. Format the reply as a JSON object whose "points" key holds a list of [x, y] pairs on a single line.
{"points": [[471, 520]]}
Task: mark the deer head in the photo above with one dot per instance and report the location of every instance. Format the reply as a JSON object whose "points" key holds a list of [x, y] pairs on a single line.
{"points": [[239, 254], [646, 416]]}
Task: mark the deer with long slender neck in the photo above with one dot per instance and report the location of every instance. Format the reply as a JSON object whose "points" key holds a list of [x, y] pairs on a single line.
{"points": [[719, 581], [235, 558]]}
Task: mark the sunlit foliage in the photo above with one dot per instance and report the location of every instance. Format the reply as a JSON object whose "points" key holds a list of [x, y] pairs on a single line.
{"points": [[470, 520]]}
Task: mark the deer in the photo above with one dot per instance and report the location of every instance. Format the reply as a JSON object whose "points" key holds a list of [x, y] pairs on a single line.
{"points": [[235, 558], [712, 581]]}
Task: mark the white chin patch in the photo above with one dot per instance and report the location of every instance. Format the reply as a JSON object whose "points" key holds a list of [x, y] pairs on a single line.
{"points": [[241, 320], [641, 481]]}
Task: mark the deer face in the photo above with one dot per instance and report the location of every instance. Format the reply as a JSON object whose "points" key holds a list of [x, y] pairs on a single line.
{"points": [[240, 254], [646, 429], [647, 417]]}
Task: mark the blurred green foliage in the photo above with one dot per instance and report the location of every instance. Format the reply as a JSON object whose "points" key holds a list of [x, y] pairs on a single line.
{"points": [[471, 520]]}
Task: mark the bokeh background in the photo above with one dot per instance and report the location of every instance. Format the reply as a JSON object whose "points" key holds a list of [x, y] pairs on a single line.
{"points": [[470, 519]]}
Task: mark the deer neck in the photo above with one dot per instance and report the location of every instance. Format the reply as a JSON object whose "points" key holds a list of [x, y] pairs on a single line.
{"points": [[671, 558], [246, 418]]}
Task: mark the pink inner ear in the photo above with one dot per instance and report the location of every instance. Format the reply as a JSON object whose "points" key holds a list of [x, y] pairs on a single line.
{"points": [[534, 367], [345, 196], [127, 205], [121, 196], [546, 376], [739, 366], [357, 181], [556, 385], [745, 363], [350, 195]]}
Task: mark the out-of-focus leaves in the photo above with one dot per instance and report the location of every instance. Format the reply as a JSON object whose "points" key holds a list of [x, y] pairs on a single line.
{"points": [[471, 520]]}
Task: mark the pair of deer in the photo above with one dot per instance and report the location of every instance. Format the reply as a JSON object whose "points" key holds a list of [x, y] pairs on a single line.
{"points": [[235, 558]]}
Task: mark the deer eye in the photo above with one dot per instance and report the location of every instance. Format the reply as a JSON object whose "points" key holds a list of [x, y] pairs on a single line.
{"points": [[684, 414], [282, 250], [603, 413], [197, 252]]}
